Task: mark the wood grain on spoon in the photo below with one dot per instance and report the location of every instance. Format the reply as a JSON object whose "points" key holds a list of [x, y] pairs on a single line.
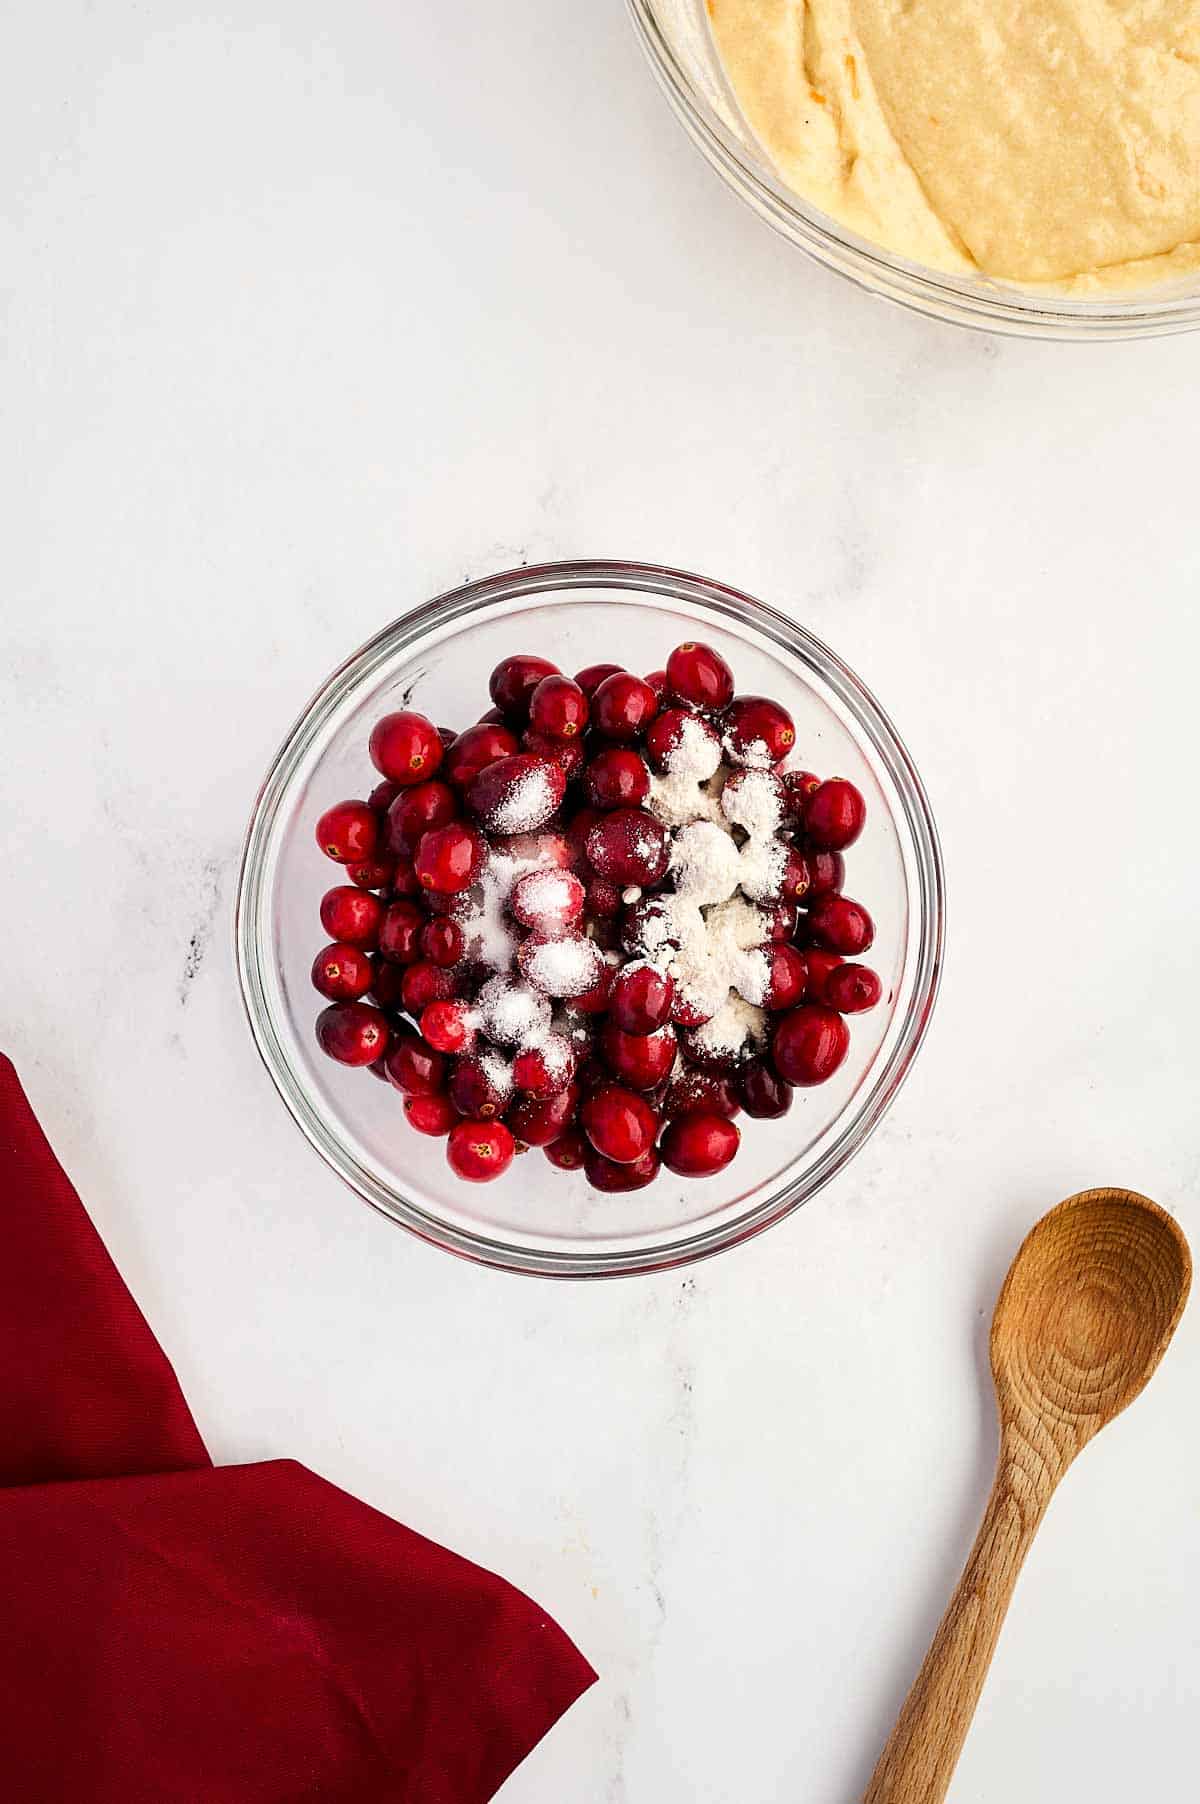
{"points": [[1086, 1312]]}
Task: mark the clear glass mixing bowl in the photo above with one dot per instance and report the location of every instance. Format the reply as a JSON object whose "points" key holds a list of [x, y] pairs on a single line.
{"points": [[537, 1219], [679, 42]]}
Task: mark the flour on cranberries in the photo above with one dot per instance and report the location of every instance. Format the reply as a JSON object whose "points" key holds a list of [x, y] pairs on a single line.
{"points": [[612, 921]]}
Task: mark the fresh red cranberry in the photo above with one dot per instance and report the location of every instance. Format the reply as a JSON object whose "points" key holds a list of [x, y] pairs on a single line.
{"points": [[546, 850], [382, 796], [400, 932], [614, 1179], [448, 1027], [764, 1094], [629, 846], [348, 832], [475, 749], [387, 984], [513, 682], [591, 677], [595, 1000], [698, 1146], [603, 899], [476, 1090], [692, 1092], [425, 983], [442, 942], [758, 731], [786, 977], [545, 1070], [578, 828], [616, 777], [351, 915], [841, 925], [566, 966], [343, 973], [517, 794], [415, 811], [709, 1057], [550, 902], [834, 815], [559, 708], [539, 1120], [568, 754], [620, 1124], [448, 859], [434, 1115], [798, 785], [809, 1045], [415, 1067], [569, 1151], [699, 676], [641, 999], [781, 921], [688, 1011], [493, 717], [852, 989], [820, 965], [665, 735], [353, 1033], [826, 872], [657, 680], [406, 748], [404, 880], [639, 1060], [623, 706], [796, 878], [479, 1151], [372, 874]]}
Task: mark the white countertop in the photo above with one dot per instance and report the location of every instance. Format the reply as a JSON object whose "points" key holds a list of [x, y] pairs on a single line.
{"points": [[317, 311]]}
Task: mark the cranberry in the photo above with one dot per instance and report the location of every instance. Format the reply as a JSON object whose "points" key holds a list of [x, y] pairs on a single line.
{"points": [[665, 735], [517, 794], [545, 1070], [415, 811], [688, 1011], [698, 1146], [406, 748], [781, 921], [342, 972], [550, 902], [693, 1092], [629, 846], [641, 999], [400, 932], [382, 796], [405, 881], [841, 925], [539, 1120], [414, 1067], [852, 989], [353, 1033], [616, 778], [567, 966], [834, 815], [580, 825], [809, 1044], [798, 785], [568, 754], [787, 975], [431, 1114], [764, 1094], [559, 708], [479, 1150], [387, 984], [474, 750], [513, 682], [620, 1124], [448, 859], [595, 1000], [758, 731], [493, 717], [591, 677], [373, 873], [349, 832], [614, 1179], [820, 965], [569, 1151], [543, 851], [477, 1089], [603, 899], [442, 942], [424, 983], [448, 1027], [796, 879], [623, 706], [708, 1057], [639, 1060], [351, 915], [698, 675]]}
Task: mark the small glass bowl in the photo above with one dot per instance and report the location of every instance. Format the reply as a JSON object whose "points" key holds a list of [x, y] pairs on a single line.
{"points": [[678, 40], [438, 658]]}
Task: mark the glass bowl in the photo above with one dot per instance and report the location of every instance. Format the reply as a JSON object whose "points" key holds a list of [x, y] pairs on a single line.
{"points": [[438, 658], [679, 42]]}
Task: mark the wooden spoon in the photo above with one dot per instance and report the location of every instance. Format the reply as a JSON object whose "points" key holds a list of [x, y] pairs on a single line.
{"points": [[1088, 1307]]}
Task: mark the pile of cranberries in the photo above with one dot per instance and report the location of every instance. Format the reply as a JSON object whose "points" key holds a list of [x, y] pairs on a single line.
{"points": [[486, 956]]}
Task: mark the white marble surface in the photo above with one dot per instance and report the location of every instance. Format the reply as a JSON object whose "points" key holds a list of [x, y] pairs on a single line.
{"points": [[314, 311]]}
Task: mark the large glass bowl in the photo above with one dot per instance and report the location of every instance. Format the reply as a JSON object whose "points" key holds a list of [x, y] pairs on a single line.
{"points": [[679, 42], [537, 1219]]}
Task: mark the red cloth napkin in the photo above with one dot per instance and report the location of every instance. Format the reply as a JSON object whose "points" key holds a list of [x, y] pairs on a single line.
{"points": [[172, 1633]]}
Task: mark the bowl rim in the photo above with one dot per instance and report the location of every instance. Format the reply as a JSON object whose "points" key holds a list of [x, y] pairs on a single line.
{"points": [[927, 908], [958, 300]]}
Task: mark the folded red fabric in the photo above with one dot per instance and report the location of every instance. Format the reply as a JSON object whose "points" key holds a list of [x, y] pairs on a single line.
{"points": [[175, 1633]]}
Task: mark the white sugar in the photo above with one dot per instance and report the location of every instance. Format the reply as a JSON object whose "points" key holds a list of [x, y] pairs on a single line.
{"points": [[761, 867], [705, 862], [678, 796], [736, 1026], [498, 1072], [565, 967], [527, 803], [485, 924], [511, 1014]]}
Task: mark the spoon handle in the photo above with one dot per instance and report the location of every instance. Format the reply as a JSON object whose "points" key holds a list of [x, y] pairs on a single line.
{"points": [[918, 1762]]}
